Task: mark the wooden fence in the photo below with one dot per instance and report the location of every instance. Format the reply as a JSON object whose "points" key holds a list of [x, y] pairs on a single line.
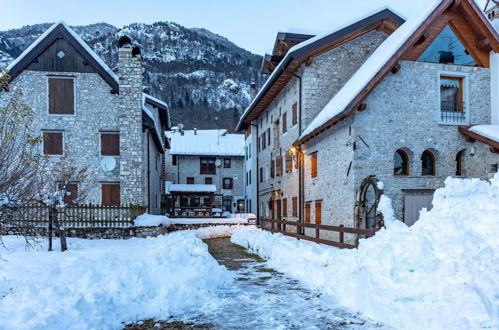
{"points": [[279, 226], [74, 216]]}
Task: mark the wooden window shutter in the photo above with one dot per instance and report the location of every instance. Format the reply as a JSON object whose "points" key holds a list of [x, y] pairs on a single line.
{"points": [[111, 194], [190, 180], [71, 192], [61, 96], [289, 161], [52, 143], [295, 114], [268, 136], [313, 163], [110, 144], [279, 165], [307, 213], [285, 207], [284, 123], [295, 207], [261, 174], [318, 212]]}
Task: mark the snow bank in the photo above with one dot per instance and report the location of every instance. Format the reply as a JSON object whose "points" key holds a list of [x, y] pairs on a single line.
{"points": [[191, 221], [441, 273], [99, 284], [147, 220], [220, 231]]}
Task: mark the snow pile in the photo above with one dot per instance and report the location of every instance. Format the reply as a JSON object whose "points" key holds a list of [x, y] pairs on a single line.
{"points": [[147, 220], [489, 131], [99, 284], [441, 273], [192, 221], [220, 231]]}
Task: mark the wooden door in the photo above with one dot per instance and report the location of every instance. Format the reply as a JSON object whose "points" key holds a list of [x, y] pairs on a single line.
{"points": [[111, 194], [414, 202]]}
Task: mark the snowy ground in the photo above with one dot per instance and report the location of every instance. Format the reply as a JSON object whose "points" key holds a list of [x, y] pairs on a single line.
{"points": [[441, 273], [99, 284]]}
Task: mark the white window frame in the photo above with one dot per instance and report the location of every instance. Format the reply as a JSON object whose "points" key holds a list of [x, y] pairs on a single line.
{"points": [[465, 77], [51, 76]]}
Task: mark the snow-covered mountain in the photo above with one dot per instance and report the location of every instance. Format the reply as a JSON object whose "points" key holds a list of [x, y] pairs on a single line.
{"points": [[204, 77]]}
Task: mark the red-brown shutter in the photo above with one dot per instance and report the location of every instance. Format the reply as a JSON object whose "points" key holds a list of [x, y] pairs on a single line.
{"points": [[279, 165], [284, 122], [318, 212], [295, 114], [307, 213], [52, 143], [313, 162], [110, 144], [111, 194], [285, 207], [289, 161], [61, 96], [295, 206]]}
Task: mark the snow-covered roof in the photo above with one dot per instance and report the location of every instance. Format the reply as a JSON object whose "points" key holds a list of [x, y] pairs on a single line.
{"points": [[206, 143], [192, 188], [489, 131], [370, 68], [161, 104], [157, 130]]}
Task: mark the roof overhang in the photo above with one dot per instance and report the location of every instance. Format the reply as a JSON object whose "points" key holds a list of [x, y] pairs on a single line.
{"points": [[384, 20], [472, 137]]}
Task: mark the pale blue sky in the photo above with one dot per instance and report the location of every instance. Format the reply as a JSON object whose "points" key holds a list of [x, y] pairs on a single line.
{"points": [[250, 24]]}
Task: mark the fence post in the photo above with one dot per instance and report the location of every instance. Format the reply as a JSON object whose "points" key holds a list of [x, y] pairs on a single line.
{"points": [[342, 234], [317, 231]]}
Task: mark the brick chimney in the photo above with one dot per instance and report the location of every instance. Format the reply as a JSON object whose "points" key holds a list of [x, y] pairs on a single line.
{"points": [[130, 71]]}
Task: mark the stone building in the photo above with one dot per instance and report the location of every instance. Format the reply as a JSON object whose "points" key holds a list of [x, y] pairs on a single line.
{"points": [[91, 116], [209, 157], [383, 105]]}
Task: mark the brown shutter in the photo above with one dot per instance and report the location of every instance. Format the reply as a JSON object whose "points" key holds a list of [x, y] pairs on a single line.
{"points": [[318, 212], [190, 180], [285, 207], [313, 161], [61, 96], [279, 165], [261, 174], [289, 161], [52, 143], [111, 194], [110, 144], [295, 206], [272, 168], [295, 114], [268, 136], [71, 192], [307, 213], [208, 181], [284, 122]]}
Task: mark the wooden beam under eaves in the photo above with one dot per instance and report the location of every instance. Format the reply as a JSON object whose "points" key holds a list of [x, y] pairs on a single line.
{"points": [[362, 107]]}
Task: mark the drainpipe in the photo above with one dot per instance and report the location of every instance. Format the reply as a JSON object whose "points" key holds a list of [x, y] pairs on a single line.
{"points": [[148, 173], [300, 156], [257, 179]]}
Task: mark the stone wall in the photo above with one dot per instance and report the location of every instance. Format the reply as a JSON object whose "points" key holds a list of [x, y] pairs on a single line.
{"points": [[403, 112]]}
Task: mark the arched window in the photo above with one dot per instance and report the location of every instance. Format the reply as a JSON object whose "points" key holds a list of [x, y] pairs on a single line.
{"points": [[427, 163], [400, 163], [459, 163]]}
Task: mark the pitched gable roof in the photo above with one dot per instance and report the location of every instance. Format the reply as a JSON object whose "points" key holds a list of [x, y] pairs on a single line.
{"points": [[54, 33], [385, 19], [384, 58]]}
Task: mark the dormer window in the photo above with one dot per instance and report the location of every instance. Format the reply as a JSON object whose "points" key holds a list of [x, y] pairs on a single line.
{"points": [[452, 102]]}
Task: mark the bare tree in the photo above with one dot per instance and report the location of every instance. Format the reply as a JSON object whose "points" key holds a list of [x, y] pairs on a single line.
{"points": [[65, 183], [20, 160]]}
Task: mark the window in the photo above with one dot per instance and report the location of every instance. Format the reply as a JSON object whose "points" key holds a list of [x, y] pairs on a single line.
{"points": [[459, 163], [190, 180], [268, 136], [110, 144], [313, 165], [52, 143], [284, 123], [400, 163], [111, 194], [208, 180], [278, 169], [295, 115], [289, 161], [249, 177], [174, 160], [307, 213], [261, 174], [61, 96], [71, 192], [249, 151], [452, 107], [427, 163], [285, 207], [227, 162], [295, 207], [227, 183], [207, 165], [318, 212], [264, 140]]}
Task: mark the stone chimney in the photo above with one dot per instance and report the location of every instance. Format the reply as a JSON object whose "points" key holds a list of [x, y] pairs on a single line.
{"points": [[133, 189], [253, 90]]}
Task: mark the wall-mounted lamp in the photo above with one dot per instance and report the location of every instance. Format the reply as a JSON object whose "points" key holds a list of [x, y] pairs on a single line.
{"points": [[472, 151]]}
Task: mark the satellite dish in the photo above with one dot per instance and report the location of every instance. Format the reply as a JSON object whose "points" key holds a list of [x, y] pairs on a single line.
{"points": [[108, 163], [218, 162]]}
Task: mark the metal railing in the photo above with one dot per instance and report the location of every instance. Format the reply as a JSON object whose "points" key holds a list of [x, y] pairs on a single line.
{"points": [[452, 112]]}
